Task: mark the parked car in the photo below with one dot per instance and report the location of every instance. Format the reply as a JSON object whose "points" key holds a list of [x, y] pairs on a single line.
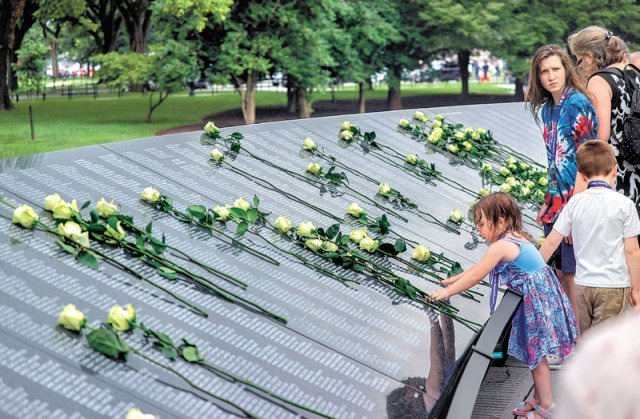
{"points": [[449, 71]]}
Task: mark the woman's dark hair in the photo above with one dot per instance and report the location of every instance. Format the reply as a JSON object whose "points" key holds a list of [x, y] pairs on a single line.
{"points": [[600, 43], [537, 95], [500, 205]]}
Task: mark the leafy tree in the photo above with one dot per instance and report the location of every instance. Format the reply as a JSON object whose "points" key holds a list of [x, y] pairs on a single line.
{"points": [[16, 18], [460, 26], [32, 64], [165, 69]]}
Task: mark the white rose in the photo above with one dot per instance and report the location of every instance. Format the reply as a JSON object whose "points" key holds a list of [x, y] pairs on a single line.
{"points": [[487, 168], [437, 123], [412, 159], [525, 191], [210, 128], [481, 131], [313, 244], [346, 125], [120, 318], [456, 216], [73, 232], [306, 229], [283, 224], [357, 235], [453, 148], [505, 187], [543, 181], [328, 246], [51, 201], [222, 212], [467, 146], [217, 155], [62, 211], [511, 181], [106, 209], [439, 117], [419, 116], [403, 123], [309, 144], [314, 169], [504, 171], [484, 192], [242, 204], [354, 209], [71, 318], [118, 233], [529, 184], [150, 194], [346, 135], [511, 160], [384, 189], [459, 135], [368, 244], [25, 216], [421, 253]]}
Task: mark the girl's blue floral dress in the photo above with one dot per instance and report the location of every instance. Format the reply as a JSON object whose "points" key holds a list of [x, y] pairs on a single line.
{"points": [[544, 324]]}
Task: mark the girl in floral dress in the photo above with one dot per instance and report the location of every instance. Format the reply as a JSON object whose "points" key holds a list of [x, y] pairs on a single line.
{"points": [[544, 324]]}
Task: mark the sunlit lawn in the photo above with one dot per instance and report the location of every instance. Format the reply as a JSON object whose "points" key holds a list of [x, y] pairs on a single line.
{"points": [[62, 123]]}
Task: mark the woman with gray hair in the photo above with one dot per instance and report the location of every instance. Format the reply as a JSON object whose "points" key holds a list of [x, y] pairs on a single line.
{"points": [[601, 58]]}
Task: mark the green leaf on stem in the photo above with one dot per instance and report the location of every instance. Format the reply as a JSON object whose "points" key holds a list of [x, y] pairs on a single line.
{"points": [[66, 247], [238, 213], [256, 201], [96, 228], [237, 136], [191, 354], [252, 215], [406, 287], [88, 259], [400, 246], [358, 267], [333, 231], [157, 245], [331, 255], [235, 146], [167, 273], [363, 218], [140, 243], [197, 211], [455, 269], [94, 216], [106, 341], [113, 222], [343, 240], [388, 248], [242, 228], [85, 205], [148, 228]]}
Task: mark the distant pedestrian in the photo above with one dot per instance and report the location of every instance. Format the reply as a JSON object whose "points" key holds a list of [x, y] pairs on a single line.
{"points": [[544, 324], [485, 71]]}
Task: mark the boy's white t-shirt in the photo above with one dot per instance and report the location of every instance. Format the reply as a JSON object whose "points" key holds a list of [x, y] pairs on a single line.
{"points": [[599, 219]]}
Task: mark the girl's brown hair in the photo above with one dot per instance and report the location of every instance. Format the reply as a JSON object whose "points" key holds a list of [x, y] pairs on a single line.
{"points": [[537, 95], [500, 205], [600, 43]]}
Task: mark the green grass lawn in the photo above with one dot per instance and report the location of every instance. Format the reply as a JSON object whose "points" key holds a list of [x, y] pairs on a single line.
{"points": [[61, 123]]}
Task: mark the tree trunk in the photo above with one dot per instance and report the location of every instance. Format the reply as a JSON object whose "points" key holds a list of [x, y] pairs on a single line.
{"points": [[5, 99], [463, 63], [11, 12], [136, 15], [249, 99], [54, 57], [519, 89], [361, 98], [305, 109], [394, 101], [292, 99]]}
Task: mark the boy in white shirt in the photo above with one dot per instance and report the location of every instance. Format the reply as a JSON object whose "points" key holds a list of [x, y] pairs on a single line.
{"points": [[604, 225]]}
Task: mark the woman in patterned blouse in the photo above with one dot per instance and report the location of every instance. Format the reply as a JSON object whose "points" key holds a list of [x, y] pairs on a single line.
{"points": [[558, 95], [598, 49]]}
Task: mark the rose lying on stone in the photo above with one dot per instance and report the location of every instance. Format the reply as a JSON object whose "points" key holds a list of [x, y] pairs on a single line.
{"points": [[346, 135], [150, 194], [456, 216], [106, 209], [368, 244], [328, 246], [118, 233], [403, 123], [71, 318], [50, 201], [73, 232], [314, 168], [283, 224], [354, 209], [484, 192], [412, 159], [222, 212], [384, 189], [217, 155], [309, 144], [210, 128], [242, 204], [421, 253], [313, 244], [306, 229], [64, 210], [346, 125], [25, 216], [356, 236], [121, 318]]}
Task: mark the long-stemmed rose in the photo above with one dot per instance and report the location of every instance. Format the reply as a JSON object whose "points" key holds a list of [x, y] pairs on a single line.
{"points": [[107, 341], [75, 242]]}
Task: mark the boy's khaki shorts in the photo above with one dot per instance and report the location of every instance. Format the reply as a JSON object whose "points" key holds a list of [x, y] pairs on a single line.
{"points": [[596, 304]]}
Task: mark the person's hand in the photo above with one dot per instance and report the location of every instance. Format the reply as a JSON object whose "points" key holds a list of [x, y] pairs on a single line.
{"points": [[450, 280], [441, 294], [569, 239], [543, 210], [635, 300]]}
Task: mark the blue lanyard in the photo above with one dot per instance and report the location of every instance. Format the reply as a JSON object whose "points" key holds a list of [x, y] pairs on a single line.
{"points": [[598, 184]]}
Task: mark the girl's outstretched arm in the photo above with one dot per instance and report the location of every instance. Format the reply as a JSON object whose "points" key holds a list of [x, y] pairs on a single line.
{"points": [[472, 276]]}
